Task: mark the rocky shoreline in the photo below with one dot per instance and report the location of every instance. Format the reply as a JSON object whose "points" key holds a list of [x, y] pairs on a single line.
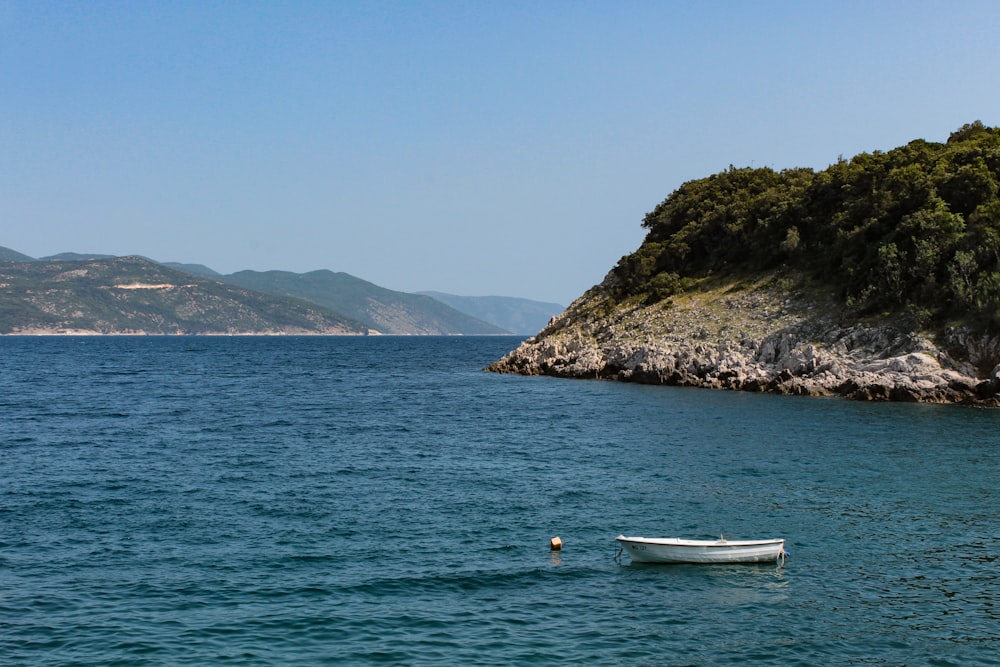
{"points": [[759, 338]]}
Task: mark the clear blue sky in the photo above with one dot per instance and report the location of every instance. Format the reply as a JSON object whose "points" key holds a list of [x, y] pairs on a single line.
{"points": [[477, 148]]}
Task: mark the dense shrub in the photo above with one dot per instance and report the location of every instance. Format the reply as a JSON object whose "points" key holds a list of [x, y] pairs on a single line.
{"points": [[916, 228]]}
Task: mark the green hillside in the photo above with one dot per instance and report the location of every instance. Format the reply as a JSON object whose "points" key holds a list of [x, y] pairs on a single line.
{"points": [[359, 304], [382, 309], [914, 231], [74, 257], [196, 269], [8, 255], [135, 295]]}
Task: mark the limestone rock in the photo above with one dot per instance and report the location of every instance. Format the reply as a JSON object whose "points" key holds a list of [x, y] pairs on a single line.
{"points": [[758, 339]]}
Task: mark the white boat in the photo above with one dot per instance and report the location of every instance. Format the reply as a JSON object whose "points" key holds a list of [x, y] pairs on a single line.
{"points": [[676, 550]]}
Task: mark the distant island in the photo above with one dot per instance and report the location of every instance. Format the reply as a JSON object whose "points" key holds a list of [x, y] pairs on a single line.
{"points": [[877, 278], [76, 293]]}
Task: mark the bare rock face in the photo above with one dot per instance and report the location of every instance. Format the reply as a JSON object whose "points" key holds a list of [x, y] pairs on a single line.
{"points": [[759, 339]]}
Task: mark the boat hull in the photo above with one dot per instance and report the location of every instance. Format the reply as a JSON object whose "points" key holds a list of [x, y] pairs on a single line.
{"points": [[675, 550]]}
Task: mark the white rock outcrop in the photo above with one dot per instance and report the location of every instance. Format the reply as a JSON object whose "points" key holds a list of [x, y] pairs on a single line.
{"points": [[736, 339]]}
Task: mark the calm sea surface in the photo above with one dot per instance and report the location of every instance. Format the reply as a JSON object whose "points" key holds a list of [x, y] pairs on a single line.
{"points": [[326, 501]]}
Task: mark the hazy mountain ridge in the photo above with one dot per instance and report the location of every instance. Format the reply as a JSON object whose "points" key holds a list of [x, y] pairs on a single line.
{"points": [[8, 255], [383, 309], [519, 316], [345, 297], [196, 269], [133, 295], [77, 257]]}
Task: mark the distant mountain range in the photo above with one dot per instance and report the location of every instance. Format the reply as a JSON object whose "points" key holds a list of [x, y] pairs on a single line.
{"points": [[8, 255], [520, 316], [384, 310], [108, 294], [132, 295]]}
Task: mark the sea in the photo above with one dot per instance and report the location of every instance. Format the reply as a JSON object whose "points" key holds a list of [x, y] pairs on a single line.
{"points": [[383, 500]]}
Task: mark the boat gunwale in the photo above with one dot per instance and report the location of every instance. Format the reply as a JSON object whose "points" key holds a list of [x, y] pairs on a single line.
{"points": [[680, 542]]}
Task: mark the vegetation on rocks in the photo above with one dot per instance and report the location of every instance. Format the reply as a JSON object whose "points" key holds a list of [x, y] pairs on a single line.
{"points": [[876, 278], [914, 230]]}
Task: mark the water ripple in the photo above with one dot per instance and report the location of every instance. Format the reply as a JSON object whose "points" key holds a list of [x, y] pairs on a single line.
{"points": [[381, 501]]}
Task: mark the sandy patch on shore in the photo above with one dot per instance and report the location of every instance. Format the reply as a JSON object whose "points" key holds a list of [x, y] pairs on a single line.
{"points": [[146, 286]]}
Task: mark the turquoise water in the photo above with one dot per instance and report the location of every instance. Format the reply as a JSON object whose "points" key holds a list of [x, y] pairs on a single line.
{"points": [[326, 501]]}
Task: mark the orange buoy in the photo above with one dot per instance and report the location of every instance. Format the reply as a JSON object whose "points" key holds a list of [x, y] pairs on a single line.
{"points": [[555, 543]]}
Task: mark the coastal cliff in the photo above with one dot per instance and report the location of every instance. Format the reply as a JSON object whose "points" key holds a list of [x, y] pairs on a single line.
{"points": [[764, 338], [875, 279]]}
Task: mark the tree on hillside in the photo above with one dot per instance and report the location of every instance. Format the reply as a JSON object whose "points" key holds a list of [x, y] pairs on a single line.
{"points": [[916, 228]]}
